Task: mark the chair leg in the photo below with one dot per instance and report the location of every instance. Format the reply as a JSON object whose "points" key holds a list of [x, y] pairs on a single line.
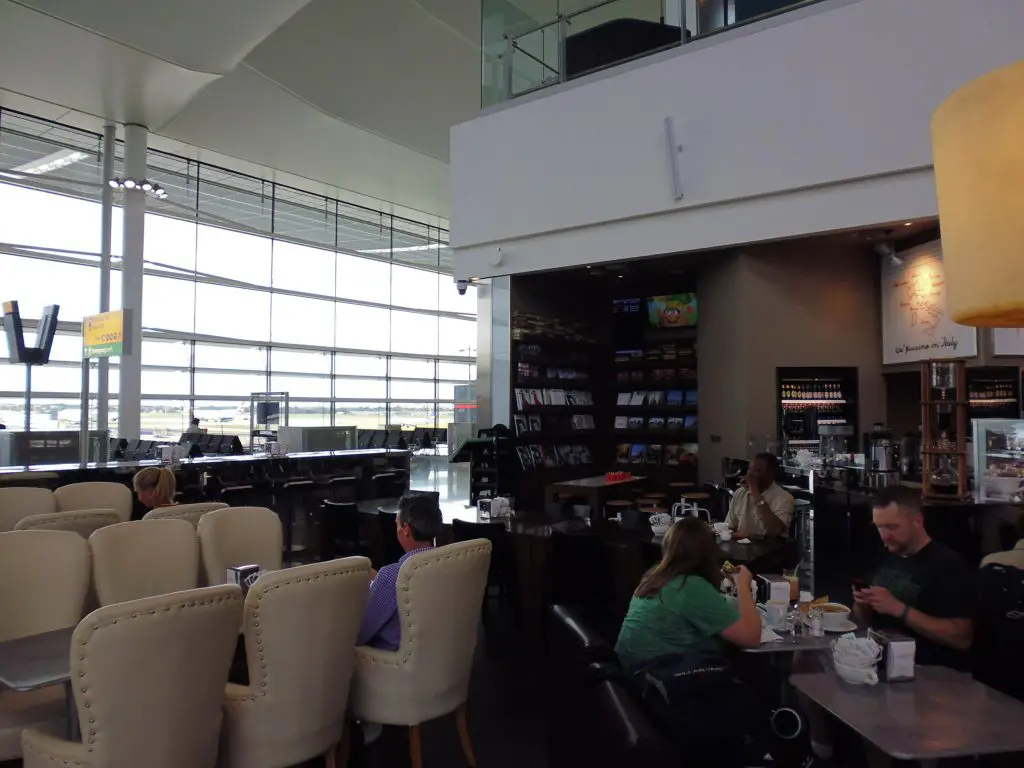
{"points": [[467, 745], [415, 749], [338, 756], [331, 757]]}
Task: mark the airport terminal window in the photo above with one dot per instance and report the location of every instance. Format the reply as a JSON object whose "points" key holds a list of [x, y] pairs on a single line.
{"points": [[412, 390], [235, 266], [406, 368], [413, 332], [300, 320], [301, 386]]}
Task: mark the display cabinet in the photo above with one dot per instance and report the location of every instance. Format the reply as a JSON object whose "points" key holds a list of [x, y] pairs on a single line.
{"points": [[944, 406], [998, 458]]}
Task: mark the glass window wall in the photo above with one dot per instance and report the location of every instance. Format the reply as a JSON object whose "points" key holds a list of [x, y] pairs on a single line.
{"points": [[249, 285]]}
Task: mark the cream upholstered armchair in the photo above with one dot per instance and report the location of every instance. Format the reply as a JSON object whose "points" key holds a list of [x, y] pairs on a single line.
{"points": [[84, 522], [300, 634], [16, 503], [143, 558], [148, 679], [75, 496], [239, 536], [188, 512], [44, 577], [440, 593]]}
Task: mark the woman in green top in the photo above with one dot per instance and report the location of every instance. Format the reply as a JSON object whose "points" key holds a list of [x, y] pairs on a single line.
{"points": [[678, 606]]}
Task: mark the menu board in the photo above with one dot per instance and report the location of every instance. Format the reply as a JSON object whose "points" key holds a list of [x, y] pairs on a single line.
{"points": [[915, 324]]}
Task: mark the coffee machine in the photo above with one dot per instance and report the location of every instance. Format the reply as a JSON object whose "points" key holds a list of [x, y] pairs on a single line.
{"points": [[881, 456]]}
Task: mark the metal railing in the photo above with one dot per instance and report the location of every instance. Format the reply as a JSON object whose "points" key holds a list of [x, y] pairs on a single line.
{"points": [[527, 60]]}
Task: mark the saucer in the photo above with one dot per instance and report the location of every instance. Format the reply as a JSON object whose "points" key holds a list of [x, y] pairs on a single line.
{"points": [[846, 626]]}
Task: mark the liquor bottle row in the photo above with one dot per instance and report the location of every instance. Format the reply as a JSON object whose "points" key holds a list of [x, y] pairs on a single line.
{"points": [[812, 390]]}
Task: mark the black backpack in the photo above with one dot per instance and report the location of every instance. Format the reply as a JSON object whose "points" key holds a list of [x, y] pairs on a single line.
{"points": [[999, 630]]}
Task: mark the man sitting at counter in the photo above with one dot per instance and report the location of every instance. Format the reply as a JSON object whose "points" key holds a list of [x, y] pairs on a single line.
{"points": [[760, 507]]}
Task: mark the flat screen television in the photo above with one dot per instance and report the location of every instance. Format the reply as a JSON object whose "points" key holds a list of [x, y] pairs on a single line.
{"points": [[677, 310]]}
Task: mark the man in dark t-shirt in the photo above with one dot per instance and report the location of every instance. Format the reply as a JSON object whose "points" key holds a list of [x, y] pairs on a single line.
{"points": [[919, 586]]}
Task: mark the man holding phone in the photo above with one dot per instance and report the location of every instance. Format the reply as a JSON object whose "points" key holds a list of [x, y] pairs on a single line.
{"points": [[761, 508], [919, 586]]}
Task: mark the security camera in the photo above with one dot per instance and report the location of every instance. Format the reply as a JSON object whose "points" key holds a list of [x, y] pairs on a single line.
{"points": [[462, 285]]}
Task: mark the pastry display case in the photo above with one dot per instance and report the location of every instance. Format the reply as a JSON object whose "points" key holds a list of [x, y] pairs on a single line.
{"points": [[998, 459]]}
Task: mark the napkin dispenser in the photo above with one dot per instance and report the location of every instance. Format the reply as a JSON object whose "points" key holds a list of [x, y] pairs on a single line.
{"points": [[243, 575], [772, 588], [898, 652]]}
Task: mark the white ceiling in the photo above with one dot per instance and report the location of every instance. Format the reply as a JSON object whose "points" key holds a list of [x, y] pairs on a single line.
{"points": [[357, 94]]}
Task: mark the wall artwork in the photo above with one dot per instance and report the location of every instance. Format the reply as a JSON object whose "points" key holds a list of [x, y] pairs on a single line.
{"points": [[915, 324]]}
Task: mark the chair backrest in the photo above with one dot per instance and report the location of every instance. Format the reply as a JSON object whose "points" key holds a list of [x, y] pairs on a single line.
{"points": [[239, 536], [300, 632], [84, 523], [44, 578], [76, 496], [150, 674], [440, 594], [392, 550], [143, 558], [16, 503], [190, 513]]}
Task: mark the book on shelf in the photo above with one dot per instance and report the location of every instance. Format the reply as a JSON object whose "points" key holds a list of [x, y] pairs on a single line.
{"points": [[560, 455], [636, 422], [671, 457], [622, 453], [532, 398], [623, 398], [691, 397], [521, 424], [656, 422], [537, 455], [636, 375], [637, 453], [621, 422], [653, 455], [674, 423], [688, 453], [690, 422], [535, 422], [578, 397], [655, 398], [582, 421], [674, 397], [525, 457], [637, 398]]}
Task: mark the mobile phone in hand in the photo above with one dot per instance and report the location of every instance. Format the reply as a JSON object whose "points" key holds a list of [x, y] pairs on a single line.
{"points": [[859, 584]]}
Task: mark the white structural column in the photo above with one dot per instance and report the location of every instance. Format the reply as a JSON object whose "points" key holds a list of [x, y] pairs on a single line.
{"points": [[493, 358], [130, 395], [106, 231]]}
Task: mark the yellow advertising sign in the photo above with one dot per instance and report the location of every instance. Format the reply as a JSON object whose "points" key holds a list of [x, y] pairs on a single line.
{"points": [[103, 335]]}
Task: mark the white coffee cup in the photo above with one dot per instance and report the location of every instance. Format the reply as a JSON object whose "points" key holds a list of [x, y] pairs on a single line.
{"points": [[835, 618], [721, 527], [725, 535]]}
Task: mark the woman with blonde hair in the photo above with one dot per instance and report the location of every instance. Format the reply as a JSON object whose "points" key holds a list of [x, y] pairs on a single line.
{"points": [[155, 487]]}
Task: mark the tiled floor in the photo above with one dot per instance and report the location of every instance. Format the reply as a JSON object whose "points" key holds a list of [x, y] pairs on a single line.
{"points": [[434, 473]]}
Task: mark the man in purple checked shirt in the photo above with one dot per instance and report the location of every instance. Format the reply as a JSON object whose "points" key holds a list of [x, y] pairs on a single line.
{"points": [[419, 523]]}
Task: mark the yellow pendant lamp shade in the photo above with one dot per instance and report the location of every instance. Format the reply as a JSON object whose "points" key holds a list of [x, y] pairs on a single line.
{"points": [[978, 148]]}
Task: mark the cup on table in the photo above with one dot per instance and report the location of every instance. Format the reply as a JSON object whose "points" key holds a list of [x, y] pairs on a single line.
{"points": [[721, 528], [776, 612], [834, 615], [725, 535]]}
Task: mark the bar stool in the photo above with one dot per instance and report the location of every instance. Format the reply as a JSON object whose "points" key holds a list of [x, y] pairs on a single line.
{"points": [[342, 489], [682, 486]]}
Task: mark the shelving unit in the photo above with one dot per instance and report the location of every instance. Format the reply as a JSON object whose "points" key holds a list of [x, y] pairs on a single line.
{"points": [[812, 398], [655, 407], [944, 421]]}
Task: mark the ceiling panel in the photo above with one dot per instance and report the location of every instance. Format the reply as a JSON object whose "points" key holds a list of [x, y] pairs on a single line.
{"points": [[201, 35], [387, 66]]}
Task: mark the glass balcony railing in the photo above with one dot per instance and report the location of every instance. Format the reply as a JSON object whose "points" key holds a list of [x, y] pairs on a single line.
{"points": [[552, 41]]}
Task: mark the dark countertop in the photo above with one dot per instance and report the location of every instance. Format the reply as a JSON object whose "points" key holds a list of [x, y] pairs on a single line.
{"points": [[128, 466], [975, 499]]}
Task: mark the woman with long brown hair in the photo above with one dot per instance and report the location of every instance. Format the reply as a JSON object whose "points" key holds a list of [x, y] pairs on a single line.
{"points": [[678, 606]]}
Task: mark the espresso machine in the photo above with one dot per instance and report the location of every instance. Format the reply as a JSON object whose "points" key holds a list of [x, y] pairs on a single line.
{"points": [[881, 457]]}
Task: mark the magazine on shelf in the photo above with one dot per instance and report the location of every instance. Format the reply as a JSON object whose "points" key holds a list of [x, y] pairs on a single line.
{"points": [[674, 423], [551, 457], [535, 422], [690, 422], [622, 453], [638, 398], [623, 398], [636, 422], [656, 422], [674, 397], [621, 422], [688, 453], [653, 455], [537, 455], [691, 397], [521, 424], [636, 453], [525, 458], [655, 398], [671, 456]]}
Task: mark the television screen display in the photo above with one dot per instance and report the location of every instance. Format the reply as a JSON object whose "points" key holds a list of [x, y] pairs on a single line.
{"points": [[678, 310], [627, 322]]}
